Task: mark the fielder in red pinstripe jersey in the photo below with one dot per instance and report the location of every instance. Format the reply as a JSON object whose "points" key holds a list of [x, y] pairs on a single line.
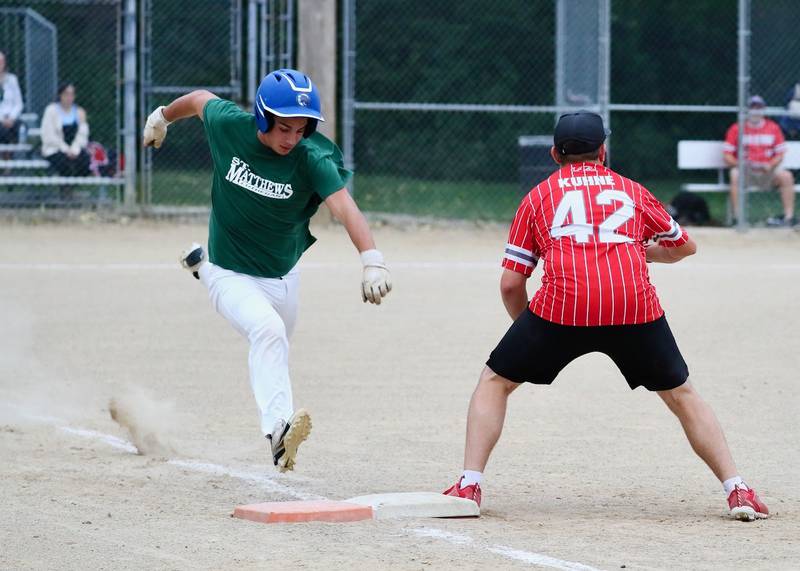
{"points": [[590, 226], [593, 232]]}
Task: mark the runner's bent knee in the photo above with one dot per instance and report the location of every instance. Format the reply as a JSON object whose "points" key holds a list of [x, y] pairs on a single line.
{"points": [[247, 309], [269, 328]]}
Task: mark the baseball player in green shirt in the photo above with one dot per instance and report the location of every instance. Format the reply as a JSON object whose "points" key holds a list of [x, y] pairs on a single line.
{"points": [[272, 170]]}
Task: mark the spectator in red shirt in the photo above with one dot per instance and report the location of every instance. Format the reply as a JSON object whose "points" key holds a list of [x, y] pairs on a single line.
{"points": [[765, 147], [593, 231]]}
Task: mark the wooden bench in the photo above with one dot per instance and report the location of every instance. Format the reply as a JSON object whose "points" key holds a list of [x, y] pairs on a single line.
{"points": [[707, 155]]}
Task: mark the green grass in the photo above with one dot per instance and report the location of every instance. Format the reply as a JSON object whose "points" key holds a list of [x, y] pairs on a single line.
{"points": [[441, 199], [182, 187], [467, 200], [478, 201]]}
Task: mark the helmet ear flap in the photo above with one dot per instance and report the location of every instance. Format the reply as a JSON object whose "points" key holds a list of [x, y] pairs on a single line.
{"points": [[270, 121], [311, 127]]}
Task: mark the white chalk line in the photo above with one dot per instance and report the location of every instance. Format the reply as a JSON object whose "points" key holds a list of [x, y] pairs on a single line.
{"points": [[436, 533], [262, 479], [419, 265], [502, 550], [25, 266], [107, 438], [538, 559], [266, 481]]}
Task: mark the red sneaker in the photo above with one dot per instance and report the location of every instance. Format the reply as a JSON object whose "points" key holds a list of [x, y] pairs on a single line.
{"points": [[746, 505], [471, 492]]}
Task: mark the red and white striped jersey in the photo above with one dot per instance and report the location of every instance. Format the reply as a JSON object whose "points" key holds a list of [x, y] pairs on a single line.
{"points": [[588, 225], [762, 142]]}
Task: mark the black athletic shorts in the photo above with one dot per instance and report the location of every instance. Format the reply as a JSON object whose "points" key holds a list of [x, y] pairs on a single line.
{"points": [[535, 351]]}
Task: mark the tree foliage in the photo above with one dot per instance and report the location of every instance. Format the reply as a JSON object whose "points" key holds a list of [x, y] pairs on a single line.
{"points": [[469, 52]]}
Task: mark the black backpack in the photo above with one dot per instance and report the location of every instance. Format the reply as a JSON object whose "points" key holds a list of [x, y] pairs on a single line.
{"points": [[689, 208]]}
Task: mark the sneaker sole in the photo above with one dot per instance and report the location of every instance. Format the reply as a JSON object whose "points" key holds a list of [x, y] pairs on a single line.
{"points": [[747, 514], [192, 259], [299, 429]]}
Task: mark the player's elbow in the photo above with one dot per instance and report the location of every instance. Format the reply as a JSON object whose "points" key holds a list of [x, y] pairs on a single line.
{"points": [[510, 291], [512, 285], [198, 99], [685, 250]]}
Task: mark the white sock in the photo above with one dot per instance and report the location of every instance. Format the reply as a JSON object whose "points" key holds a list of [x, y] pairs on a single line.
{"points": [[470, 477], [731, 483]]}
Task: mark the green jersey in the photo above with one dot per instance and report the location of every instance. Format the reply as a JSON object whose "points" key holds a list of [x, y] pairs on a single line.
{"points": [[261, 202]]}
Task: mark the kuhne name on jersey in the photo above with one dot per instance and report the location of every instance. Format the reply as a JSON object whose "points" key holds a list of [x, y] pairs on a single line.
{"points": [[585, 181], [241, 175]]}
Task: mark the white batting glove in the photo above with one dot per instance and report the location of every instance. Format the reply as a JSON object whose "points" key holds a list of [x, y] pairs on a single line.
{"points": [[155, 129], [375, 283]]}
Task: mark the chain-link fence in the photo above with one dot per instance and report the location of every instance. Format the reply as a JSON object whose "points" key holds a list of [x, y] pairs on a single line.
{"points": [[183, 50], [775, 75], [446, 108], [453, 112], [60, 127], [227, 54]]}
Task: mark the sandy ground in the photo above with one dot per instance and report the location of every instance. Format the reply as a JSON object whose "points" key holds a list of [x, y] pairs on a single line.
{"points": [[586, 472]]}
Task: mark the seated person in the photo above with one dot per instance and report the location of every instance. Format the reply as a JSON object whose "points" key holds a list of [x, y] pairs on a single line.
{"points": [[791, 123], [764, 146], [10, 104], [65, 134]]}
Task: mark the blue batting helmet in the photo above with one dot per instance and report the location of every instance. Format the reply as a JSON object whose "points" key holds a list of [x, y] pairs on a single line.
{"points": [[287, 93]]}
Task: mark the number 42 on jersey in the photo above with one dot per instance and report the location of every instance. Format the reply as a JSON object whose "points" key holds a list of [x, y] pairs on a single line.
{"points": [[573, 207]]}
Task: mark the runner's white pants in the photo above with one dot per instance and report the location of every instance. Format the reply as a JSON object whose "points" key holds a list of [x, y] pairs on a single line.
{"points": [[264, 311]]}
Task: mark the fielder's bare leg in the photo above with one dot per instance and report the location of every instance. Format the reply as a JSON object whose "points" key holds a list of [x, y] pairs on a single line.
{"points": [[708, 441], [734, 194], [487, 413], [702, 429], [784, 179]]}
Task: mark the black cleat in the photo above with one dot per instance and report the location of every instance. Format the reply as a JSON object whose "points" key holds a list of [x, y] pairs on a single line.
{"points": [[286, 437], [192, 258]]}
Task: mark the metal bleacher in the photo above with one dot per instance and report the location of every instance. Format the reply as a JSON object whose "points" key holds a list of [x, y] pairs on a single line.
{"points": [[23, 163], [26, 179]]}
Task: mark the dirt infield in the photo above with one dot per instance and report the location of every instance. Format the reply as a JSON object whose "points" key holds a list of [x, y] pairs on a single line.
{"points": [[588, 475]]}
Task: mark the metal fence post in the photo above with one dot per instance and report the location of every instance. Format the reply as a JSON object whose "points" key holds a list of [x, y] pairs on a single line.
{"points": [[604, 75], [348, 83], [129, 121], [560, 48], [236, 47], [316, 51], [252, 22], [744, 89]]}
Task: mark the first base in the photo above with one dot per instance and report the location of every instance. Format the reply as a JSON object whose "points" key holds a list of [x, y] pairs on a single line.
{"points": [[294, 512], [417, 504]]}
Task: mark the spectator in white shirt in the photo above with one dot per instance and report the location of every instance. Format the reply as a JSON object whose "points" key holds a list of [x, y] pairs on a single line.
{"points": [[65, 134], [10, 104]]}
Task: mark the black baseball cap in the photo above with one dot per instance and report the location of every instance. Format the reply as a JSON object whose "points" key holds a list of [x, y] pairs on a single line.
{"points": [[579, 132]]}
